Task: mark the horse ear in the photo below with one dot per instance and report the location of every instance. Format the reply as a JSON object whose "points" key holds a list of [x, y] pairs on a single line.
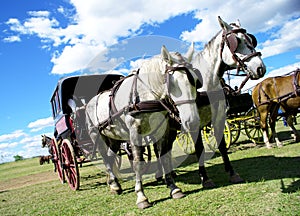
{"points": [[238, 23], [165, 54], [190, 52], [224, 25]]}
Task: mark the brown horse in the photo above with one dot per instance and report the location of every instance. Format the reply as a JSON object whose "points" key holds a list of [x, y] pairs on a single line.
{"points": [[273, 93], [44, 159]]}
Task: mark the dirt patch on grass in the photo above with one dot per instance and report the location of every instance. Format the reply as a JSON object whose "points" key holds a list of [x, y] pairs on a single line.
{"points": [[25, 181]]}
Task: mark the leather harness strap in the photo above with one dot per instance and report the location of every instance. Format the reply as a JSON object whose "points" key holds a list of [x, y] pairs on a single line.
{"points": [[284, 97], [135, 106]]}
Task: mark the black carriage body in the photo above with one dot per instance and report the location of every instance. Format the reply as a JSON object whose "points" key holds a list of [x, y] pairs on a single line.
{"points": [[81, 89], [238, 103]]}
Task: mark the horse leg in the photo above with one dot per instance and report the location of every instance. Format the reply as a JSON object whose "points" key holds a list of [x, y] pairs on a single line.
{"points": [[164, 148], [138, 163], [159, 172], [108, 159], [200, 152], [234, 177], [272, 122], [263, 113], [290, 121]]}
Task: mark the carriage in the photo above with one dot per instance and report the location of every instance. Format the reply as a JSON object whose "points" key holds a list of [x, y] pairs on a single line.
{"points": [[241, 117], [71, 144]]}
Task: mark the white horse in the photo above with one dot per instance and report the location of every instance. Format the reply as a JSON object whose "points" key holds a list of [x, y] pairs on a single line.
{"points": [[231, 48], [139, 106]]}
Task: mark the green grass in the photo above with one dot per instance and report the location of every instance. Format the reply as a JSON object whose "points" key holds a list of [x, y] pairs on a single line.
{"points": [[272, 187]]}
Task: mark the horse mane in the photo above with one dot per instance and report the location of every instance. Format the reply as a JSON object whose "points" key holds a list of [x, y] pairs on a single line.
{"points": [[154, 72], [209, 43]]}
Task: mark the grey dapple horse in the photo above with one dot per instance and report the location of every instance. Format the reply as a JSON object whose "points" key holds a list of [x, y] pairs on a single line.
{"points": [[139, 106]]}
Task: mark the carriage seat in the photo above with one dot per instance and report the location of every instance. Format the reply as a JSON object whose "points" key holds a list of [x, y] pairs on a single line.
{"points": [[239, 103], [81, 131]]}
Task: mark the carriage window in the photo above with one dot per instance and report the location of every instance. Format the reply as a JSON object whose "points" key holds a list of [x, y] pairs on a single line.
{"points": [[53, 108], [56, 108]]}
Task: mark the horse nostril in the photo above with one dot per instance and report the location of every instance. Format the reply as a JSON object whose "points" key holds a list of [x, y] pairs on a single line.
{"points": [[261, 71]]}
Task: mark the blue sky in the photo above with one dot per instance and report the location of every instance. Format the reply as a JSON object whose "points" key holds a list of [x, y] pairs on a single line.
{"points": [[41, 41]]}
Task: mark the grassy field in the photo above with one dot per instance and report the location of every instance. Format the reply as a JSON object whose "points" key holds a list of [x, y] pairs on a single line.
{"points": [[272, 187]]}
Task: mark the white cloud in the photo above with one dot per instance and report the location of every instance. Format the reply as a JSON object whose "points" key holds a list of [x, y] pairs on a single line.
{"points": [[10, 39], [287, 38], [39, 13], [255, 16], [8, 145], [12, 136], [94, 25], [41, 124]]}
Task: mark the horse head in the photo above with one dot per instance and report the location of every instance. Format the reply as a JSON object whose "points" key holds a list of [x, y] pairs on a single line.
{"points": [[182, 83], [45, 140], [238, 50]]}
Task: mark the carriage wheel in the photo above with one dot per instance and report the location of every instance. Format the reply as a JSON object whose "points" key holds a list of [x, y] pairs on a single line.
{"points": [[57, 161], [185, 142], [70, 166], [235, 130], [252, 126], [209, 136]]}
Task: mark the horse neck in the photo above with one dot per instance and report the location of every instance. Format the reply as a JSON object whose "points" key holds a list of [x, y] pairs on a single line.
{"points": [[208, 62]]}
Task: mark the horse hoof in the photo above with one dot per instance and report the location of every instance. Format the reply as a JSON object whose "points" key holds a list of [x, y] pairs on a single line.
{"points": [[174, 174], [236, 179], [177, 194], [115, 187], [144, 204], [279, 145], [159, 180], [269, 146], [208, 184]]}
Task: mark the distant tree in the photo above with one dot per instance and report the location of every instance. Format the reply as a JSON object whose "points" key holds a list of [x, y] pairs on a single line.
{"points": [[18, 157]]}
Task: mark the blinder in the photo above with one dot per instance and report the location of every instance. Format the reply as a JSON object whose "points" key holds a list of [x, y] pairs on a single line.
{"points": [[252, 39], [233, 41]]}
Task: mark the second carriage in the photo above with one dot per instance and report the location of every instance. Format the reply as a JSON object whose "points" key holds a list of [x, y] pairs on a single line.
{"points": [[241, 117]]}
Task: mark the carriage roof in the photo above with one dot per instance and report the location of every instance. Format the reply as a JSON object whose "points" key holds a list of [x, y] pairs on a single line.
{"points": [[82, 87]]}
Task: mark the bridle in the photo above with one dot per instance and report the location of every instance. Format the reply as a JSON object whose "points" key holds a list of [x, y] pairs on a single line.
{"points": [[229, 38], [173, 111]]}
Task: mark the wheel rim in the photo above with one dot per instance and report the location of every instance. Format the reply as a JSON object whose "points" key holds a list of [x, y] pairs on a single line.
{"points": [[252, 127], [235, 130], [70, 166], [227, 135], [186, 143], [56, 160], [209, 137]]}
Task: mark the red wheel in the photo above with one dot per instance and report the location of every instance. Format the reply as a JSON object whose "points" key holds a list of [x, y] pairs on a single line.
{"points": [[56, 160], [70, 166]]}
